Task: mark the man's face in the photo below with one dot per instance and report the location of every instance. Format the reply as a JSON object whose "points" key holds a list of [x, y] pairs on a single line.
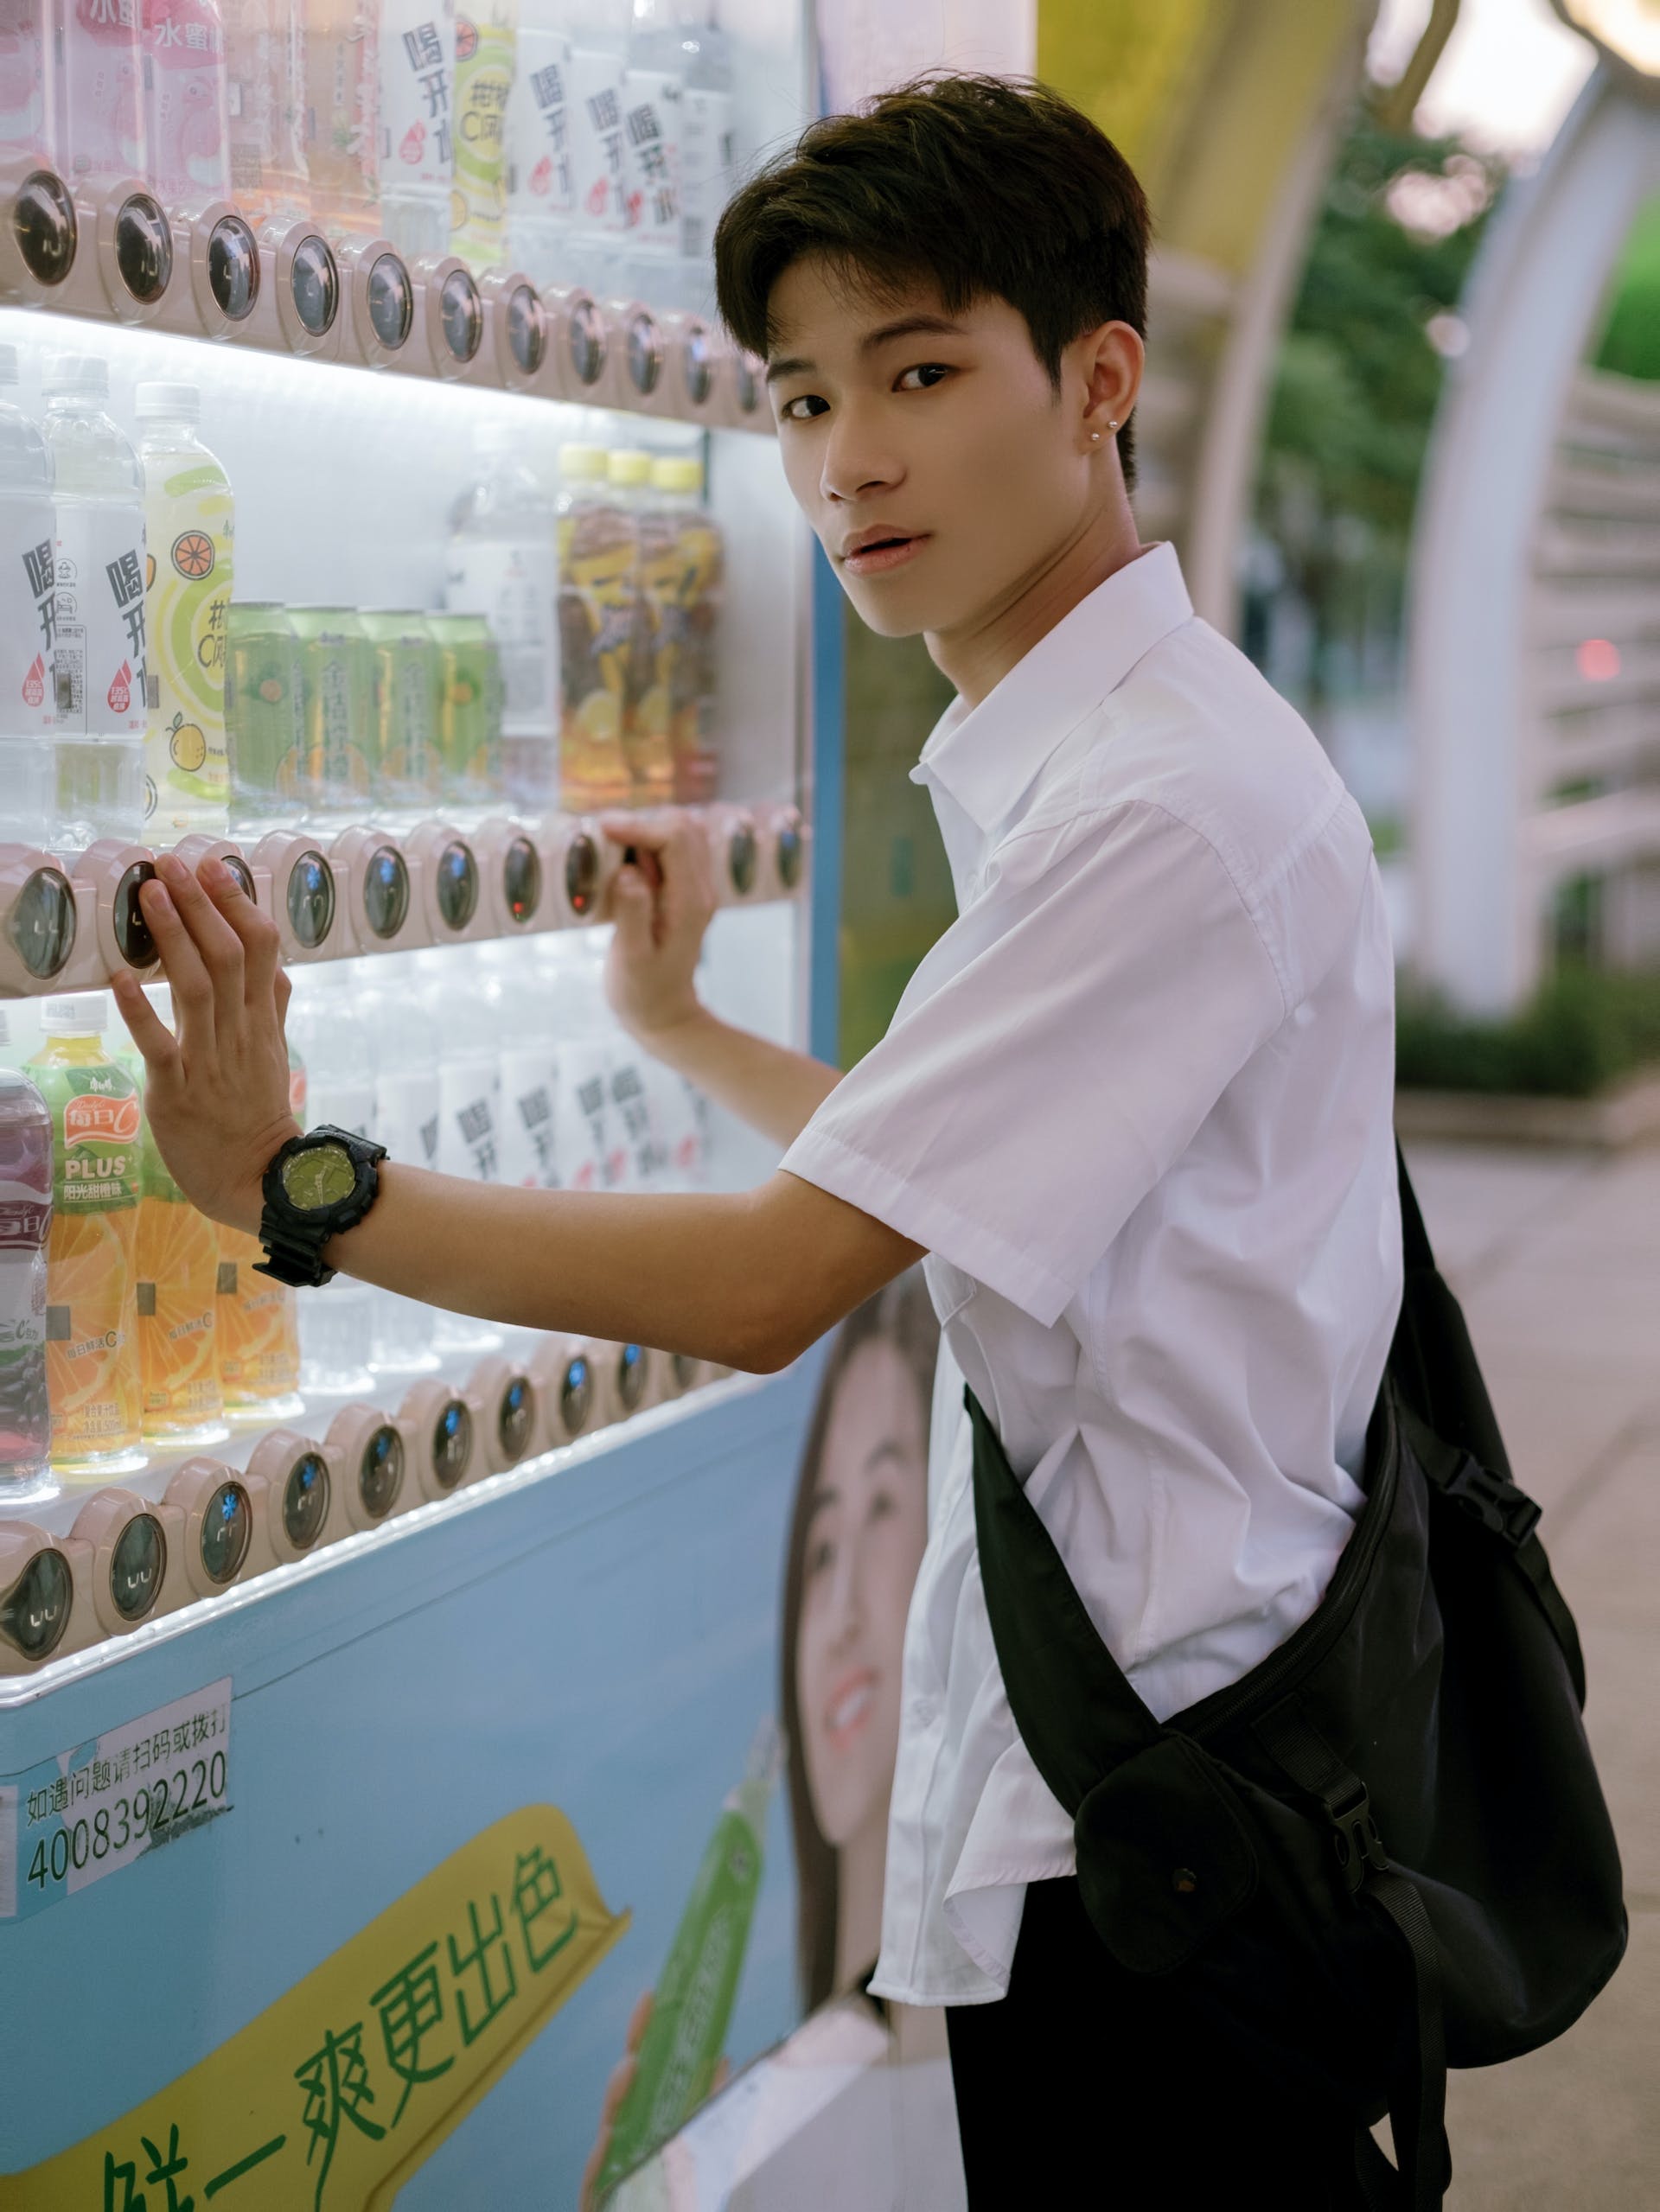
{"points": [[937, 443]]}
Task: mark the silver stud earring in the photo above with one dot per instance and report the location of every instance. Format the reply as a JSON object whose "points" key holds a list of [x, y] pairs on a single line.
{"points": [[1111, 425], [1095, 437]]}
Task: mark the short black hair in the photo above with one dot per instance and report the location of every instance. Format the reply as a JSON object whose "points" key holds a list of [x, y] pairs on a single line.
{"points": [[980, 184]]}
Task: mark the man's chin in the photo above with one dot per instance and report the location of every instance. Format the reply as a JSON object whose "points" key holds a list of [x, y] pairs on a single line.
{"points": [[890, 614]]}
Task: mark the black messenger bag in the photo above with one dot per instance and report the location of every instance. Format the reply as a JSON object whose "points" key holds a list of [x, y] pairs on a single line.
{"points": [[1382, 1852]]}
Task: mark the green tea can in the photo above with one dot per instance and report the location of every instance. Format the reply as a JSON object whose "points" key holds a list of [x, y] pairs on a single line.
{"points": [[469, 707], [337, 687], [407, 764], [264, 728]]}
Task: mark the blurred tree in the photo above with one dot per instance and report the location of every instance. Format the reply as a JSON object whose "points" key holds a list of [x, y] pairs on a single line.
{"points": [[1631, 338], [1360, 371]]}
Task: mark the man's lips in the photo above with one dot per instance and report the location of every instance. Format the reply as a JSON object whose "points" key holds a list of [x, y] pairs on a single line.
{"points": [[890, 551]]}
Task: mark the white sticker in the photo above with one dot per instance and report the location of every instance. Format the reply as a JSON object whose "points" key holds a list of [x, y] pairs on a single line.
{"points": [[71, 1821]]}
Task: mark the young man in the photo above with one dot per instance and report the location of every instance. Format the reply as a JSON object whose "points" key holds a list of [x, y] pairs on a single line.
{"points": [[1135, 1106]]}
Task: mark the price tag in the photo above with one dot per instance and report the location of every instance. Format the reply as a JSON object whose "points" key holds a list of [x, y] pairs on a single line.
{"points": [[71, 1821]]}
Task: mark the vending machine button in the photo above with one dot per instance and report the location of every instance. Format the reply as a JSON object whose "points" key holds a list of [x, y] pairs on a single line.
{"points": [[515, 1417], [457, 885], [137, 1566], [461, 312], [741, 859], [234, 268], [381, 1472], [143, 248], [697, 357], [452, 1443], [576, 1396], [585, 341], [789, 854], [43, 223], [391, 301], [526, 328], [306, 1501], [386, 891], [310, 900], [35, 1610], [314, 285], [687, 1371], [522, 879], [40, 925], [582, 872], [132, 938], [643, 353], [632, 1372], [226, 1527]]}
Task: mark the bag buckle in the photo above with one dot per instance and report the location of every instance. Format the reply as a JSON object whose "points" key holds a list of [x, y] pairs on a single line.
{"points": [[1494, 1501], [1356, 1837]]}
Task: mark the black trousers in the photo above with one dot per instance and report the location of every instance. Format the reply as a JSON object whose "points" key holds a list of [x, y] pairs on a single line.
{"points": [[1063, 2100]]}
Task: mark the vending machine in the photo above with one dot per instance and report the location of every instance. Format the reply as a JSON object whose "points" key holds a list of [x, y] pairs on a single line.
{"points": [[389, 1703]]}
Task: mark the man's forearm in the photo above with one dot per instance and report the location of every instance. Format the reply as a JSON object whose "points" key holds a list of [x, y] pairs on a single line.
{"points": [[774, 1089], [719, 1277]]}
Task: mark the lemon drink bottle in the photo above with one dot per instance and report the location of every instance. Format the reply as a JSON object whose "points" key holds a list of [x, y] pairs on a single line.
{"points": [[28, 619], [501, 564], [91, 1341], [258, 1326], [189, 526], [681, 560], [484, 66], [98, 654], [597, 549], [176, 1260], [645, 701], [693, 2004]]}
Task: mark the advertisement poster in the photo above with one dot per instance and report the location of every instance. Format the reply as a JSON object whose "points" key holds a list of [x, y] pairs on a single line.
{"points": [[546, 1866]]}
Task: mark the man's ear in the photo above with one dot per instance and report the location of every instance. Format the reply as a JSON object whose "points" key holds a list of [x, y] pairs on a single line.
{"points": [[1110, 362]]}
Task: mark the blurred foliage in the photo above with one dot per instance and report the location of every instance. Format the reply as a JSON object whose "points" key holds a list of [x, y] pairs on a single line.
{"points": [[1586, 1027], [1358, 375], [1630, 338]]}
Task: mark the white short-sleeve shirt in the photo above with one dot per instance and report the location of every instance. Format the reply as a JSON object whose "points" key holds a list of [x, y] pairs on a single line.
{"points": [[1137, 1105]]}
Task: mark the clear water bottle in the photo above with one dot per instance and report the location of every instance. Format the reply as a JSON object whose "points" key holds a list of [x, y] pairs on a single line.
{"points": [[398, 1023], [98, 660], [464, 1005], [27, 618], [25, 1227], [326, 1020], [501, 565]]}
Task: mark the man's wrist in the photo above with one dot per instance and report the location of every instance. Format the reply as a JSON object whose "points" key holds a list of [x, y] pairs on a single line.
{"points": [[246, 1208], [675, 1040]]}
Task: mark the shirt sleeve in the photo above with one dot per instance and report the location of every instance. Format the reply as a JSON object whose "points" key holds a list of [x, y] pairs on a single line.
{"points": [[1055, 1053]]}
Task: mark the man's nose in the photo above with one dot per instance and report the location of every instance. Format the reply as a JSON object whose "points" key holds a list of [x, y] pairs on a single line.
{"points": [[858, 460]]}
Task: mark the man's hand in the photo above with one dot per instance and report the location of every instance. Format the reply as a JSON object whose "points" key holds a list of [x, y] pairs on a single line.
{"points": [[216, 1093], [661, 902]]}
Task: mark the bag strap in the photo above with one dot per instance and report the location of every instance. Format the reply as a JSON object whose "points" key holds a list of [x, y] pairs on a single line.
{"points": [[1077, 1715], [1414, 1237]]}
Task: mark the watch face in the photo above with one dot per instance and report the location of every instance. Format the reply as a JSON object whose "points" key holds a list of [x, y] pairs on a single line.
{"points": [[318, 1177]]}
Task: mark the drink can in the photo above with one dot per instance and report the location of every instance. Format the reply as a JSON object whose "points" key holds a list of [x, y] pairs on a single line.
{"points": [[264, 728], [337, 695], [407, 764], [469, 705]]}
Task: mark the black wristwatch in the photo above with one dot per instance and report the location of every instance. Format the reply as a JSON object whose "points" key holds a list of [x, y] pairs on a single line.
{"points": [[316, 1186]]}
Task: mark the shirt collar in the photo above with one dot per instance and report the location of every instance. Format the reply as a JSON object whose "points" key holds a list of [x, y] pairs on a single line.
{"points": [[986, 755]]}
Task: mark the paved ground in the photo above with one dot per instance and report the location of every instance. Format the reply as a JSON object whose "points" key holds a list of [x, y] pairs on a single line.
{"points": [[1556, 1258]]}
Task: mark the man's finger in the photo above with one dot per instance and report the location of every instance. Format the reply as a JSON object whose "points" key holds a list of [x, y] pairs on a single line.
{"points": [[181, 964], [650, 830], [148, 1030], [216, 942], [631, 908], [261, 944]]}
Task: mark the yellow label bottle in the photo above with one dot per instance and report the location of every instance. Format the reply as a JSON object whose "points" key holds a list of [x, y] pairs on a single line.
{"points": [[91, 1344], [189, 529]]}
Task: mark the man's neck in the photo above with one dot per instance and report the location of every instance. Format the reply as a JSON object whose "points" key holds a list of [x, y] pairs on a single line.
{"points": [[977, 657]]}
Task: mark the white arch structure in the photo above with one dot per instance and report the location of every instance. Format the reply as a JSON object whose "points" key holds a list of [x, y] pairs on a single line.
{"points": [[1540, 514]]}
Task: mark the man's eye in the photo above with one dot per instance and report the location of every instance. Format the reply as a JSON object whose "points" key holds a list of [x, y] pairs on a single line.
{"points": [[933, 371], [807, 399]]}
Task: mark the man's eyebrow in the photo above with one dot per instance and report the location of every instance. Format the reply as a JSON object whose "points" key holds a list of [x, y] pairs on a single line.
{"points": [[910, 326]]}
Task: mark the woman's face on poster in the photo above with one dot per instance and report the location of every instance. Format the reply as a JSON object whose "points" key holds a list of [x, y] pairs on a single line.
{"points": [[867, 1526]]}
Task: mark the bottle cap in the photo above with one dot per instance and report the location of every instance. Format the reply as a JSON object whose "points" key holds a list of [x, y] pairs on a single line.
{"points": [[629, 464], [8, 365], [585, 462], [170, 403], [86, 1015], [82, 376], [677, 472]]}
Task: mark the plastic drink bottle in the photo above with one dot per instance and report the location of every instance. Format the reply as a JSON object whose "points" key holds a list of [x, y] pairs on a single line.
{"points": [[27, 619], [185, 96], [484, 70], [708, 137], [25, 1232], [336, 1323], [653, 86], [645, 699], [337, 705], [189, 524], [682, 561], [588, 1048], [417, 79], [529, 1071], [92, 1344], [342, 113], [541, 187], [693, 2004], [501, 565], [598, 56], [178, 1262], [264, 61], [597, 547], [259, 1328], [404, 1049], [463, 1001], [28, 82], [101, 128], [98, 665]]}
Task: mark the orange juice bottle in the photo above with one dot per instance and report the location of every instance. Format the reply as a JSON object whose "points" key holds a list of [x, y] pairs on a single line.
{"points": [[259, 1324], [91, 1341], [177, 1261]]}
